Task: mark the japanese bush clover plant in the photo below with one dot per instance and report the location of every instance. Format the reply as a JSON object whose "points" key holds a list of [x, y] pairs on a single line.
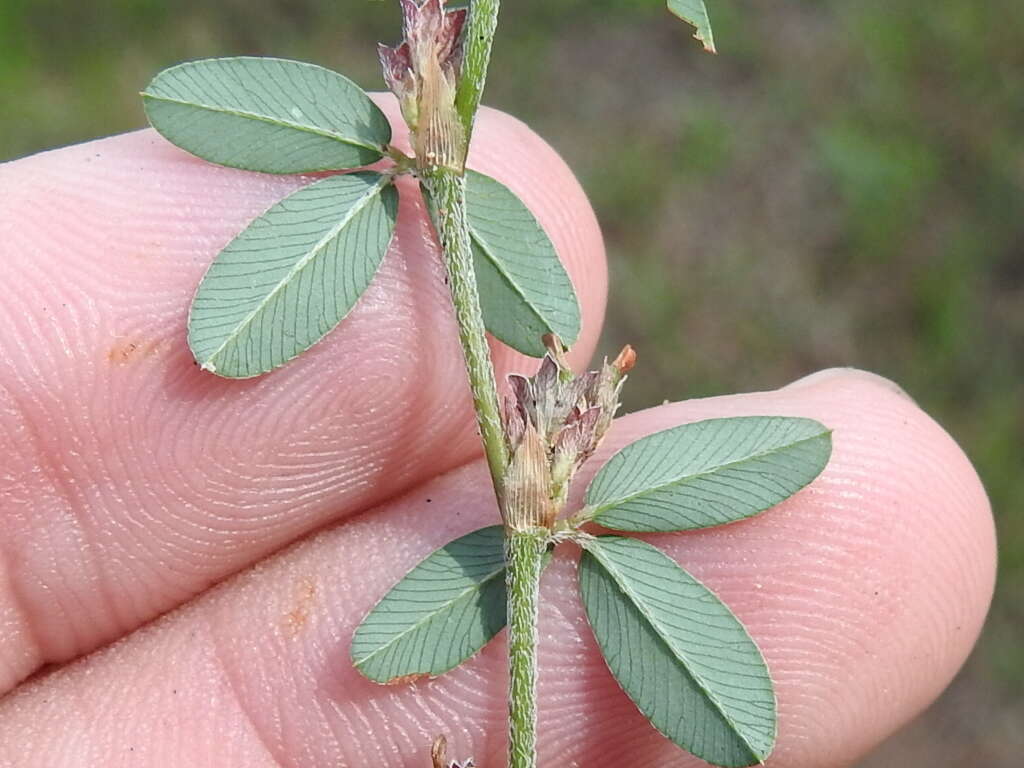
{"points": [[295, 272]]}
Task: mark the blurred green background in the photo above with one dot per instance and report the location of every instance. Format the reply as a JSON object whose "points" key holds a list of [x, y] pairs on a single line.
{"points": [[842, 185]]}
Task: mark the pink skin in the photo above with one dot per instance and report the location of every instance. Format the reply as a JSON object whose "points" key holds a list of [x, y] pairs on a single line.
{"points": [[130, 482]]}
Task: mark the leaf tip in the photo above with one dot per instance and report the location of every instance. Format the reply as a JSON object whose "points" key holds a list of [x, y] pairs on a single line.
{"points": [[696, 15], [357, 664], [704, 36]]}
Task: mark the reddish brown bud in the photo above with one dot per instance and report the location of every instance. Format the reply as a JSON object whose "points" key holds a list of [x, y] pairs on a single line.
{"points": [[439, 752], [515, 421], [396, 64], [578, 435], [439, 756], [626, 360]]}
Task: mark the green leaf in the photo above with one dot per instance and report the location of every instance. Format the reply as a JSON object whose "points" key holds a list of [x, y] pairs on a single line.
{"points": [[292, 274], [678, 652], [269, 115], [708, 473], [695, 13], [444, 611], [525, 292]]}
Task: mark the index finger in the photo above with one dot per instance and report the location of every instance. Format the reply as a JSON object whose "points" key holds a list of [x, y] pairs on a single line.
{"points": [[131, 480]]}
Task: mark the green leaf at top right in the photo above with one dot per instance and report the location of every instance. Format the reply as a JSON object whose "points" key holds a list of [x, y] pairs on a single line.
{"points": [[694, 12], [708, 473]]}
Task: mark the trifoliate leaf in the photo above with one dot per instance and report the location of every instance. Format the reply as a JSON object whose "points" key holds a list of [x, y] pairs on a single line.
{"points": [[525, 292], [269, 115], [695, 13], [678, 652], [445, 610], [292, 274], [708, 473]]}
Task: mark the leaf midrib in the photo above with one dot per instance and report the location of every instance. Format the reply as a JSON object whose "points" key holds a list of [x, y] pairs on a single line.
{"points": [[604, 507], [475, 587], [302, 127], [642, 609], [301, 264], [482, 244]]}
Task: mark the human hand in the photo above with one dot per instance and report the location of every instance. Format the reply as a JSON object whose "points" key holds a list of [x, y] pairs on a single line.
{"points": [[131, 483]]}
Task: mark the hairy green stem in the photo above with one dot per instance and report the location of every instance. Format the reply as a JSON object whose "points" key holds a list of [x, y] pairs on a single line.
{"points": [[446, 197], [524, 554], [445, 190], [477, 39]]}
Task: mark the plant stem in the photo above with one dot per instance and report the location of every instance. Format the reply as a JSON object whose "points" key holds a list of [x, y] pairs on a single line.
{"points": [[524, 552], [445, 190], [477, 37], [446, 197]]}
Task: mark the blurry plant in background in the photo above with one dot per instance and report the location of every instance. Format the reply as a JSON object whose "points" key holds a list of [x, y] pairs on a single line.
{"points": [[843, 185]]}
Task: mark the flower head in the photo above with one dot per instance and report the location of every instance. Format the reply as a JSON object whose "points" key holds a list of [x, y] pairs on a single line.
{"points": [[422, 71], [554, 422]]}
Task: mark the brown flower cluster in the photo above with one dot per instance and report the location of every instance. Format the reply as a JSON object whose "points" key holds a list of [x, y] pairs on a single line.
{"points": [[554, 422], [422, 71]]}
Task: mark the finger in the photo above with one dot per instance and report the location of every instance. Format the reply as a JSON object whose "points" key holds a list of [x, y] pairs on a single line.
{"points": [[131, 480], [865, 591]]}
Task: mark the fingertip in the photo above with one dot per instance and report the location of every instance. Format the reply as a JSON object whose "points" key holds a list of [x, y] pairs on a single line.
{"points": [[839, 376], [868, 589]]}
